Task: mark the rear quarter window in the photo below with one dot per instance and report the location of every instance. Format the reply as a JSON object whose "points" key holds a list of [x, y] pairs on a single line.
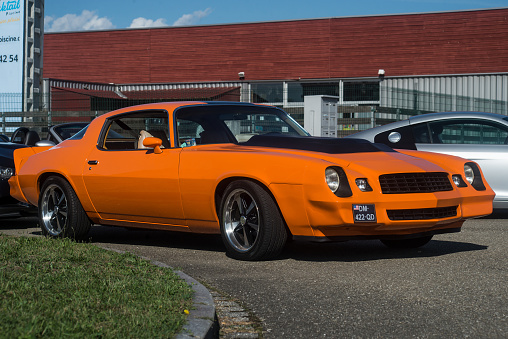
{"points": [[407, 140]]}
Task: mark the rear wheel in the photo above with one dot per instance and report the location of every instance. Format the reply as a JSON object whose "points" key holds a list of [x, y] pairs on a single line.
{"points": [[60, 211], [251, 225], [407, 243]]}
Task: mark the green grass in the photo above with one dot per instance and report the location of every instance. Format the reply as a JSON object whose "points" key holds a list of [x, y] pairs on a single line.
{"points": [[59, 288]]}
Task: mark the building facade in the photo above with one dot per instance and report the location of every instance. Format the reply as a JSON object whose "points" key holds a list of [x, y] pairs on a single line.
{"points": [[388, 65]]}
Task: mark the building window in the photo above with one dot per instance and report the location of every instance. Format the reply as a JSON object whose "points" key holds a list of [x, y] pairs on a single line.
{"points": [[361, 91], [267, 93], [298, 90]]}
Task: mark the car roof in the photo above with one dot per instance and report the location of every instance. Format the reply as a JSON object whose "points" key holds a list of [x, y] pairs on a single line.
{"points": [[370, 134], [171, 105], [457, 115]]}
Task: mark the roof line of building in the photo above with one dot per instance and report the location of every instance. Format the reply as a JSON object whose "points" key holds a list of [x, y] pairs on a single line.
{"points": [[61, 83], [288, 20]]}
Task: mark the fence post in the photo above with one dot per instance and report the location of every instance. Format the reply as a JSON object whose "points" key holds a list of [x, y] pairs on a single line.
{"points": [[373, 116]]}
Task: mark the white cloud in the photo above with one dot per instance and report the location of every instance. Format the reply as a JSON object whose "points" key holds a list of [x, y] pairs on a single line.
{"points": [[47, 21], [142, 22], [191, 19], [87, 20]]}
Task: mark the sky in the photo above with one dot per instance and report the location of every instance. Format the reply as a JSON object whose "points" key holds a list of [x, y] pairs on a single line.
{"points": [[71, 15]]}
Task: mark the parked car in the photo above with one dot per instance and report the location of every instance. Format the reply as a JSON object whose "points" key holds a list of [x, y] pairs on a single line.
{"points": [[61, 132], [482, 137], [181, 166], [22, 138]]}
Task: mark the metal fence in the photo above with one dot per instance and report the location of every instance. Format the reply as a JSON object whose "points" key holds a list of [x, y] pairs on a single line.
{"points": [[362, 103]]}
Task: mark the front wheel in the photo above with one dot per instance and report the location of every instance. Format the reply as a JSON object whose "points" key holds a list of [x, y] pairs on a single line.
{"points": [[406, 243], [60, 211], [251, 224]]}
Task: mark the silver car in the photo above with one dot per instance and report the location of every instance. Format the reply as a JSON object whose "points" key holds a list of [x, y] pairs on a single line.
{"points": [[481, 137]]}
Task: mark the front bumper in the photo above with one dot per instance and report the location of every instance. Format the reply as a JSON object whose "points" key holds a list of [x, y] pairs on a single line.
{"points": [[314, 212], [335, 218]]}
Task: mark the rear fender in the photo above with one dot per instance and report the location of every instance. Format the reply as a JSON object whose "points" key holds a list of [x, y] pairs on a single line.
{"points": [[20, 157]]}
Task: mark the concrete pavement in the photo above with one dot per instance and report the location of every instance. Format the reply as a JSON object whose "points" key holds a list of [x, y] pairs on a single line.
{"points": [[453, 287]]}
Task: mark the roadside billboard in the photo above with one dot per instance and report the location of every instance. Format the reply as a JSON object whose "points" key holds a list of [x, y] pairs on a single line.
{"points": [[12, 14]]}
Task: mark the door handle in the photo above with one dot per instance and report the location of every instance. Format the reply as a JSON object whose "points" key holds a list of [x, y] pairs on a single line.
{"points": [[92, 162]]}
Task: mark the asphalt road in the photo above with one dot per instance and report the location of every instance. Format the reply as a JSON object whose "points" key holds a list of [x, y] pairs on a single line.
{"points": [[456, 286]]}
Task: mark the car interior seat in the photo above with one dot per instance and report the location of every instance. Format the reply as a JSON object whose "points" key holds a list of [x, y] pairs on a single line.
{"points": [[153, 133], [158, 133], [19, 135], [142, 135], [436, 134], [213, 137], [31, 138]]}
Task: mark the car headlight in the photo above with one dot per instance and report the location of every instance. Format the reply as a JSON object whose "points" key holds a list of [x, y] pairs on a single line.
{"points": [[469, 173], [6, 172], [332, 179], [474, 176], [336, 180]]}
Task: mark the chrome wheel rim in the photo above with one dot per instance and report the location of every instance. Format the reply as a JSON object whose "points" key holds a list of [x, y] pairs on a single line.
{"points": [[241, 220], [54, 210]]}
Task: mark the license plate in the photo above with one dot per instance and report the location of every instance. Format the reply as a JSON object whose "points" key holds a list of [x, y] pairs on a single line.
{"points": [[364, 212]]}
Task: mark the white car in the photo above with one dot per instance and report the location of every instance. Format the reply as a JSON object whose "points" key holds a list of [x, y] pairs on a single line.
{"points": [[478, 136]]}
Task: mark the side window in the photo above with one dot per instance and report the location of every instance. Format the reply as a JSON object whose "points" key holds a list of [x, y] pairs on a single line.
{"points": [[470, 132], [421, 134], [127, 132]]}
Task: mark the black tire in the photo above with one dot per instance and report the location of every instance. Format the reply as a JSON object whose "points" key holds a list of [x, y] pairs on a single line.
{"points": [[60, 211], [407, 243], [251, 225]]}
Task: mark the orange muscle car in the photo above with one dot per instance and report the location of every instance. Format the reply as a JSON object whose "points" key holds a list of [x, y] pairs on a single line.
{"points": [[248, 172]]}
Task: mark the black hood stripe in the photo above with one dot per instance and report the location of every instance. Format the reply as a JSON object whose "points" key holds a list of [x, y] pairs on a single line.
{"points": [[317, 144]]}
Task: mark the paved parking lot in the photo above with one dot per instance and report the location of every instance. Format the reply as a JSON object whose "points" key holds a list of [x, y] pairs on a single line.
{"points": [[456, 286]]}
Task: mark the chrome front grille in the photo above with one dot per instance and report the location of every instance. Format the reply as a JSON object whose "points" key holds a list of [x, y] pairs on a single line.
{"points": [[400, 183]]}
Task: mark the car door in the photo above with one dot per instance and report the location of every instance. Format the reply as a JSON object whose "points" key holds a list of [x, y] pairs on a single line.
{"points": [[479, 140], [129, 182]]}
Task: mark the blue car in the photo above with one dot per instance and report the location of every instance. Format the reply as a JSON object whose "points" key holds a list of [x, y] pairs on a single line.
{"points": [[23, 137]]}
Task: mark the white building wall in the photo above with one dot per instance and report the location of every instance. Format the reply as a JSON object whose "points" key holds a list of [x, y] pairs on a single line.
{"points": [[488, 93]]}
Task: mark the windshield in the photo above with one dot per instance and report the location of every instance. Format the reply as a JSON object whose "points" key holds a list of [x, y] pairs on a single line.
{"points": [[215, 123]]}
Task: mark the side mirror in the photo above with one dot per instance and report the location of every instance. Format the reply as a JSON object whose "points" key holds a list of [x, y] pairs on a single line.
{"points": [[154, 143]]}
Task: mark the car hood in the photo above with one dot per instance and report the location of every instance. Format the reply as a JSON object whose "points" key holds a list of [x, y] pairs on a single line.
{"points": [[317, 144], [356, 154]]}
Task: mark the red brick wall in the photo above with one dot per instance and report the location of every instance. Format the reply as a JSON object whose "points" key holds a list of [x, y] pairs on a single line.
{"points": [[419, 44]]}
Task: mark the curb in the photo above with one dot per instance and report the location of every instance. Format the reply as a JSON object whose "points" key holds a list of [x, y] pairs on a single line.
{"points": [[202, 321]]}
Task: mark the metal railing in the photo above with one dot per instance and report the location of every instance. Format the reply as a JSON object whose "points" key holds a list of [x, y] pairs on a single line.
{"points": [[361, 106]]}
